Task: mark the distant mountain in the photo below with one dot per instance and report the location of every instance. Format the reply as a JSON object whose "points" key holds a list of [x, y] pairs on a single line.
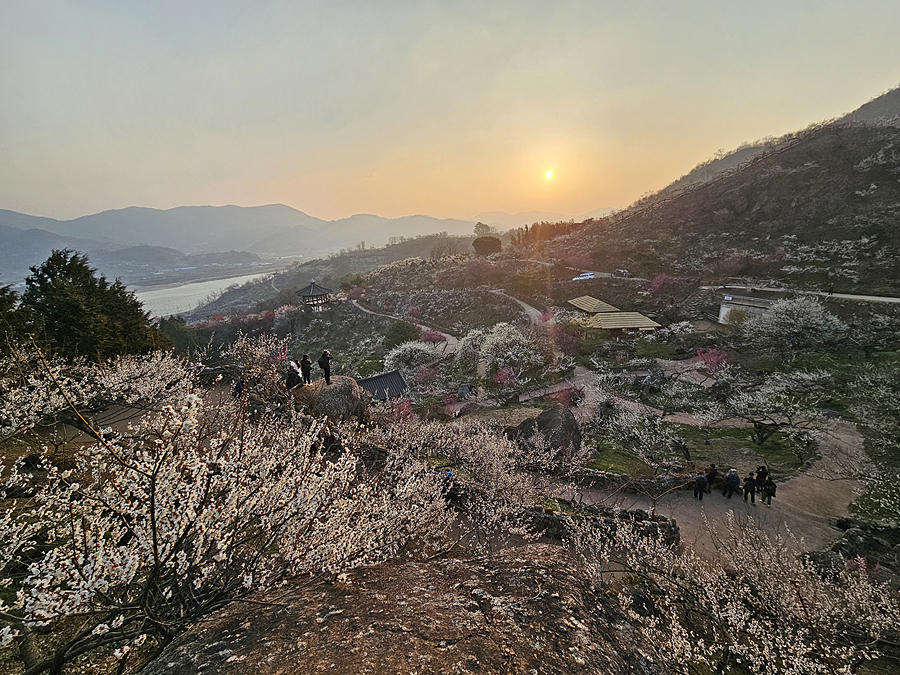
{"points": [[24, 248], [348, 232]]}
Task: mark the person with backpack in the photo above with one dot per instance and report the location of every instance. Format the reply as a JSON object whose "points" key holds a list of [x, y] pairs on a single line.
{"points": [[325, 364], [732, 483], [750, 488], [306, 368], [700, 484], [767, 491]]}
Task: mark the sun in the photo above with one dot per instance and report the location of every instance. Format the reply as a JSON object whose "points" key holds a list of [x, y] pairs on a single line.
{"points": [[549, 173]]}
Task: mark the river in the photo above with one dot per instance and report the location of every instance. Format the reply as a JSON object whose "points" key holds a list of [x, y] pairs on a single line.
{"points": [[184, 297]]}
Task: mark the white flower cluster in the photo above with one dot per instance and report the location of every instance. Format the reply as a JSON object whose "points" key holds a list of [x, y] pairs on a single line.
{"points": [[759, 605], [409, 356], [196, 504]]}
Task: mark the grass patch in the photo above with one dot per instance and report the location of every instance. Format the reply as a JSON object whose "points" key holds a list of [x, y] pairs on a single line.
{"points": [[618, 461], [728, 448]]}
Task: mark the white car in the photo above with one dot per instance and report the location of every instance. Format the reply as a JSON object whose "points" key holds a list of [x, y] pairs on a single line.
{"points": [[583, 276]]}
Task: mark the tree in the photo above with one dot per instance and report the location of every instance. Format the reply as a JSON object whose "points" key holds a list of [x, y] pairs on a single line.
{"points": [[77, 313], [486, 245], [399, 332], [482, 230], [801, 324], [14, 320]]}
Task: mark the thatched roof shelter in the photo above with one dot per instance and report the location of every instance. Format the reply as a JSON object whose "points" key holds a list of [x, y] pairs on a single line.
{"points": [[619, 321], [592, 305]]}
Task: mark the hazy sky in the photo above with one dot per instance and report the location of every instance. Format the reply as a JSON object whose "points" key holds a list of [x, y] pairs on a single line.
{"points": [[438, 107]]}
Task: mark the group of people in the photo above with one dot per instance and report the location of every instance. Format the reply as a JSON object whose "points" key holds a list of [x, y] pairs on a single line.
{"points": [[300, 374], [761, 483]]}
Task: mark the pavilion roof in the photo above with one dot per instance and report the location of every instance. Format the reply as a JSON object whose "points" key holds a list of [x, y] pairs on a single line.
{"points": [[619, 320], [313, 291], [592, 305], [384, 385]]}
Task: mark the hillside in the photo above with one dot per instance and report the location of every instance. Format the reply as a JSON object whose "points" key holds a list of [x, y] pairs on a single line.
{"points": [[821, 209]]}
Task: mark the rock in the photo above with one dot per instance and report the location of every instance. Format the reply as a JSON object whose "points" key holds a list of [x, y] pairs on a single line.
{"points": [[828, 563], [557, 425], [342, 399], [521, 610]]}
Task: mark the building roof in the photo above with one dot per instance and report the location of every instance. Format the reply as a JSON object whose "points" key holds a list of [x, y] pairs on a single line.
{"points": [[385, 385], [619, 320], [313, 290], [592, 305]]}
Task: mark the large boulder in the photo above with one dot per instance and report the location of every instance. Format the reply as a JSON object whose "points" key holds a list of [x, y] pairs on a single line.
{"points": [[520, 610], [557, 425], [342, 399]]}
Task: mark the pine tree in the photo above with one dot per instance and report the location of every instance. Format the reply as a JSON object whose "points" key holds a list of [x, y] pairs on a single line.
{"points": [[76, 312]]}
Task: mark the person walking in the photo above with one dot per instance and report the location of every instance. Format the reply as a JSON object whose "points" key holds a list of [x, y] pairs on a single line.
{"points": [[325, 364], [750, 488], [767, 491], [700, 484], [306, 369], [732, 483]]}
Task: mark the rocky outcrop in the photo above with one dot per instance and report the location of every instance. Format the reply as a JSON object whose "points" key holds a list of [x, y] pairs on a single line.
{"points": [[557, 425], [521, 610], [342, 399]]}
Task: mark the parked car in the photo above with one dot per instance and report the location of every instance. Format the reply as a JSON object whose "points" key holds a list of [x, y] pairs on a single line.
{"points": [[583, 276], [623, 273]]}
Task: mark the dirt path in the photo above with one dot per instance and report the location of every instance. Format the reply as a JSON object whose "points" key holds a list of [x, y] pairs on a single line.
{"points": [[534, 314], [450, 342], [803, 504]]}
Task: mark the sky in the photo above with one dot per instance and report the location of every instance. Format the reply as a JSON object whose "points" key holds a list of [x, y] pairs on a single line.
{"points": [[437, 107]]}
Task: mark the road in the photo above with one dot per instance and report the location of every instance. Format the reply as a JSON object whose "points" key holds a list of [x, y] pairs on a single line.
{"points": [[822, 294]]}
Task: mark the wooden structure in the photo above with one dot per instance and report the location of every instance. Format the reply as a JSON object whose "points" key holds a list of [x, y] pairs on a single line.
{"points": [[592, 305], [315, 296], [624, 321], [385, 385]]}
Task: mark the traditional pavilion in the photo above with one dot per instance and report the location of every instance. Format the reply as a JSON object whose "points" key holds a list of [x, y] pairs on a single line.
{"points": [[315, 296], [592, 305]]}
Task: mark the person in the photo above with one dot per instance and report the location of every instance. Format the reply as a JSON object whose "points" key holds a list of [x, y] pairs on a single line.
{"points": [[700, 484], [767, 491], [325, 364], [306, 369], [293, 379], [762, 472], [711, 474], [237, 388], [732, 482], [750, 488]]}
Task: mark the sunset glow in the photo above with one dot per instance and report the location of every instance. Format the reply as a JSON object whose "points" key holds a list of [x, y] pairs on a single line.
{"points": [[549, 174]]}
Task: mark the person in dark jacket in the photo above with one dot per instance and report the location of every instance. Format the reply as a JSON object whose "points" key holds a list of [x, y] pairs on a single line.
{"points": [[711, 474], [293, 379], [767, 491], [700, 484], [762, 472], [750, 488], [306, 368], [325, 364], [732, 483]]}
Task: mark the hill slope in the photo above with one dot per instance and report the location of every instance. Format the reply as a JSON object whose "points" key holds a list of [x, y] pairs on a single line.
{"points": [[822, 209]]}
